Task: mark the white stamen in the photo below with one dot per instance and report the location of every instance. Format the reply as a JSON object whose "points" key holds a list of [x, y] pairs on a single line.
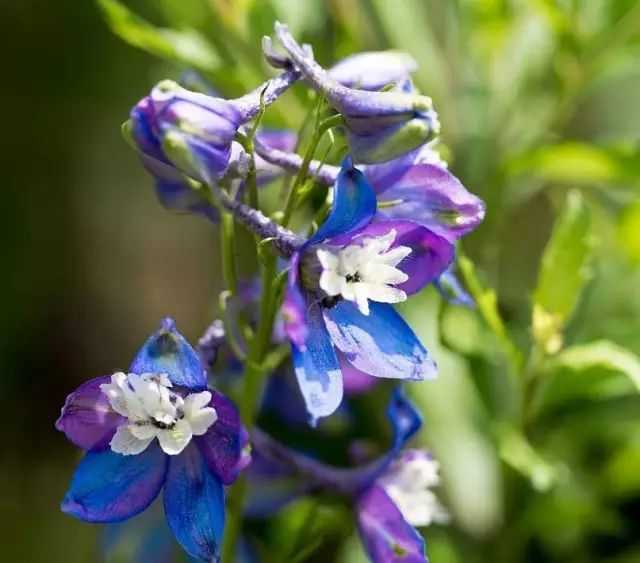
{"points": [[408, 482], [365, 271], [153, 411]]}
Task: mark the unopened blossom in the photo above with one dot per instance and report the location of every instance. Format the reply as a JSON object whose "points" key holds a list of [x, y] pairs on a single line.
{"points": [[342, 283], [185, 138], [374, 70], [379, 126], [156, 426]]}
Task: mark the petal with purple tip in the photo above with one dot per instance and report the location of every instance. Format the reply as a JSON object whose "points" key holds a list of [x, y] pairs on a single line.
{"points": [[380, 344], [294, 306], [167, 352], [317, 369], [221, 446], [431, 196], [109, 487], [194, 504], [386, 535], [87, 418]]}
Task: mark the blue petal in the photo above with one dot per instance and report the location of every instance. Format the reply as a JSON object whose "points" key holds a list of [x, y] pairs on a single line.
{"points": [[387, 536], [405, 419], [109, 487], [317, 369], [194, 504], [166, 351], [354, 204], [405, 422], [379, 344], [451, 289], [181, 197]]}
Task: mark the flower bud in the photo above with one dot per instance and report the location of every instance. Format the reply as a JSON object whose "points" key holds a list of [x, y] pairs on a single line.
{"points": [[380, 126], [374, 70]]}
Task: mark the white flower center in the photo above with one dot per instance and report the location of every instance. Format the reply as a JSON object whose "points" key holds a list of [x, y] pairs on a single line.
{"points": [[408, 483], [153, 411], [364, 271]]}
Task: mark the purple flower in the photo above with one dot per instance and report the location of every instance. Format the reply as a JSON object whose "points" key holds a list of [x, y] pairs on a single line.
{"points": [[155, 426], [185, 138], [379, 125], [391, 495], [341, 285], [415, 186], [374, 70]]}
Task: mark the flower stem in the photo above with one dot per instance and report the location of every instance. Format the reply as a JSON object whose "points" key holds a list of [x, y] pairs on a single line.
{"points": [[290, 202], [250, 397]]}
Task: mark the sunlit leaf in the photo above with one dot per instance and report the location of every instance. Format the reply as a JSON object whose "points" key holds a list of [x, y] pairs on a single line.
{"points": [[603, 354], [563, 273], [185, 46]]}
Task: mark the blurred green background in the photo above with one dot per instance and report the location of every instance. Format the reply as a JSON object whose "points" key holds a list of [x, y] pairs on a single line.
{"points": [[538, 104]]}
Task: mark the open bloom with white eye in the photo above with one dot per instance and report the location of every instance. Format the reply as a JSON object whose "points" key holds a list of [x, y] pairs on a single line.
{"points": [[409, 481], [364, 271], [337, 307], [153, 411], [200, 444]]}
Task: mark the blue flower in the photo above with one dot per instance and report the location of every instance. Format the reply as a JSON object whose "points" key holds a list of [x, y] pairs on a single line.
{"points": [[379, 125], [153, 427], [341, 285]]}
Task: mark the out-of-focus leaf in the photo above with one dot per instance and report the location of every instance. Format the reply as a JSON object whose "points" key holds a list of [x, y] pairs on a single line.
{"points": [[519, 454], [563, 273], [603, 354], [629, 232], [487, 303], [580, 164], [185, 46]]}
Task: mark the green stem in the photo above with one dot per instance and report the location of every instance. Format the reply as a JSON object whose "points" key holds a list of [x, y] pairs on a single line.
{"points": [[250, 397], [228, 251], [290, 201]]}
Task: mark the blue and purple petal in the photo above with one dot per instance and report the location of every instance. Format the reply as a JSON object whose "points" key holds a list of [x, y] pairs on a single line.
{"points": [[380, 344], [386, 535], [194, 505], [222, 445], [109, 487], [317, 369], [87, 418], [167, 352]]}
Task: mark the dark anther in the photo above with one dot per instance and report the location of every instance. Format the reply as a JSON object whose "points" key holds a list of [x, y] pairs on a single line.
{"points": [[330, 302], [352, 278], [163, 425]]}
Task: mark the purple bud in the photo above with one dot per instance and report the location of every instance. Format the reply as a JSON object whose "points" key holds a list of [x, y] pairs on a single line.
{"points": [[374, 70], [379, 125]]}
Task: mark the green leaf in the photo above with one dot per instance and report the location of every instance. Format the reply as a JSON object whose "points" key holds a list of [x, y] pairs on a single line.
{"points": [[487, 303], [580, 164], [563, 273], [520, 455], [601, 354], [185, 46]]}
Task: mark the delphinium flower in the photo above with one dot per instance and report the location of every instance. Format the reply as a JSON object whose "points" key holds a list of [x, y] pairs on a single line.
{"points": [[342, 283], [379, 125], [155, 426], [391, 496]]}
